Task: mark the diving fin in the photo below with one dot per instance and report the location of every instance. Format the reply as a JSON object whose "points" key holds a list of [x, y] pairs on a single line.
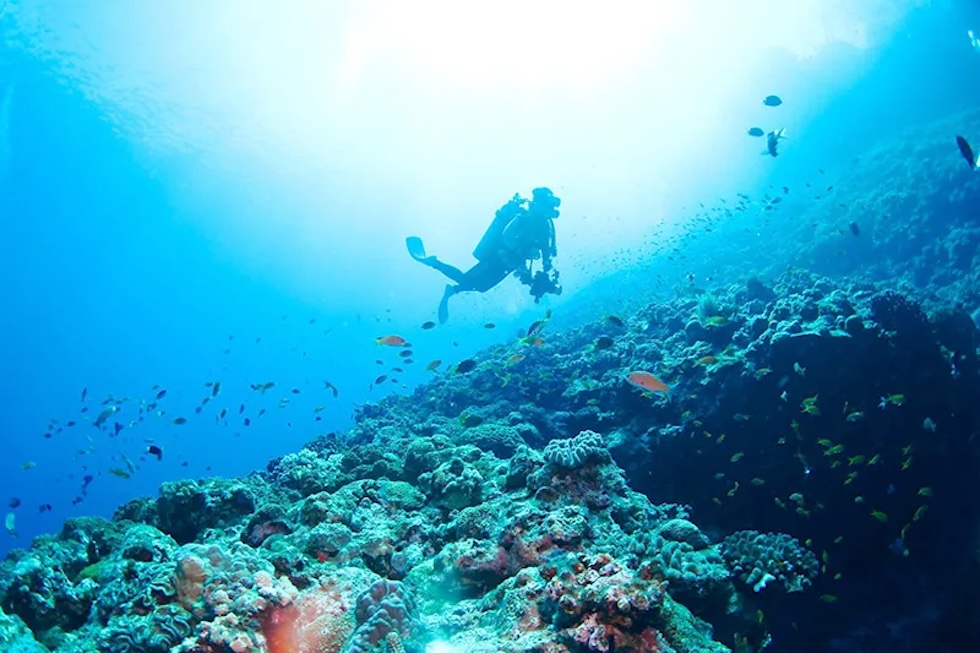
{"points": [[444, 304], [415, 247]]}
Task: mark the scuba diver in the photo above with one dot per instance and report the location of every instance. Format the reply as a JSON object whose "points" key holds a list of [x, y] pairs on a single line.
{"points": [[522, 232]]}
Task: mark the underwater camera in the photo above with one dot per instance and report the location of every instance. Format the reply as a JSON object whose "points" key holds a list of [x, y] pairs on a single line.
{"points": [[544, 283]]}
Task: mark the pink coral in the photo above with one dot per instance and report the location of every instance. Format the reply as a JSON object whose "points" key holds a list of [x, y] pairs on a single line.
{"points": [[320, 620]]}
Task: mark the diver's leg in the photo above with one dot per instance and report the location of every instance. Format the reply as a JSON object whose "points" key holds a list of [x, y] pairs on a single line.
{"points": [[450, 271], [482, 277], [417, 250]]}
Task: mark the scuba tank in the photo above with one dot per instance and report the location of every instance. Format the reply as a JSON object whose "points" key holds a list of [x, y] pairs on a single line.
{"points": [[490, 243]]}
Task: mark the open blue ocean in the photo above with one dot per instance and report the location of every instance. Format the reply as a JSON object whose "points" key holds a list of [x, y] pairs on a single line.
{"points": [[453, 327]]}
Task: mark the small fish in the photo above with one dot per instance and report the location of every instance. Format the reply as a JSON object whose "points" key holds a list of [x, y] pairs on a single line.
{"points": [[772, 100], [706, 360], [10, 523], [154, 450], [602, 342], [874, 460], [161, 394], [927, 424], [779, 502], [391, 341], [828, 598], [838, 539], [246, 421], [880, 516], [465, 366], [180, 421], [216, 388], [104, 416], [121, 473], [332, 388], [855, 460], [489, 325], [758, 482], [856, 416], [406, 353], [616, 321], [84, 394], [535, 328], [648, 382], [44, 507], [514, 359], [760, 373], [919, 513], [737, 457], [809, 406], [859, 499], [428, 325], [855, 229], [30, 464], [433, 365], [895, 400], [967, 152], [772, 142], [799, 369], [381, 379], [796, 497], [755, 132], [14, 503], [925, 492], [716, 320]]}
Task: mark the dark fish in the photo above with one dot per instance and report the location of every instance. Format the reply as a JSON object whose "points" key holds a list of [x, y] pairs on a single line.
{"points": [[180, 420], [855, 229], [44, 507], [84, 393], [14, 502], [755, 132], [489, 325], [198, 410], [262, 412], [603, 342], [381, 379], [535, 327], [409, 361], [772, 142], [216, 388], [331, 387], [772, 100], [154, 450], [70, 423], [397, 369], [241, 409], [465, 366], [615, 321], [161, 394], [428, 325], [295, 391], [405, 353], [247, 421], [966, 151], [117, 427]]}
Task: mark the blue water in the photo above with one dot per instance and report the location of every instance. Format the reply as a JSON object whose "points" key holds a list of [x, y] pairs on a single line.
{"points": [[117, 279]]}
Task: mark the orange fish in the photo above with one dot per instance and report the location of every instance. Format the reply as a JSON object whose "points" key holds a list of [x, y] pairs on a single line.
{"points": [[515, 359], [433, 365], [392, 341], [648, 382]]}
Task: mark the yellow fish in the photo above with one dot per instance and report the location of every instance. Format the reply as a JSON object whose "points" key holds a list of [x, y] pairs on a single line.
{"points": [[880, 516]]}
